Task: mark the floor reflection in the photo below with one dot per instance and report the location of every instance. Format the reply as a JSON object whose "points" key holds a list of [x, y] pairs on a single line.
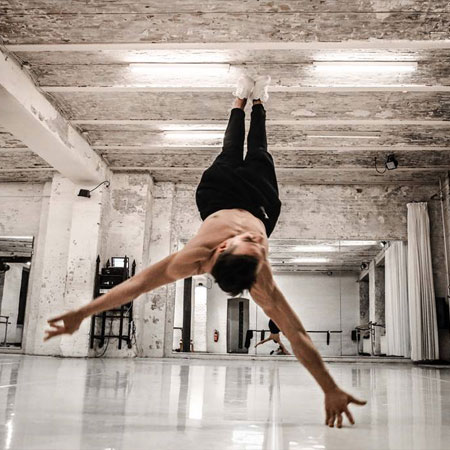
{"points": [[50, 403]]}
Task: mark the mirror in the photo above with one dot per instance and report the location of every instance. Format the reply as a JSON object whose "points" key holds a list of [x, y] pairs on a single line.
{"points": [[15, 263], [326, 282]]}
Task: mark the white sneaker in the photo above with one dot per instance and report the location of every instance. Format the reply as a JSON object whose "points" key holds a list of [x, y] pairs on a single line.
{"points": [[260, 90], [244, 87]]}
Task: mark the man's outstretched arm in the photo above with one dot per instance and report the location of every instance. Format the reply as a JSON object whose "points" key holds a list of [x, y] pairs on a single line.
{"points": [[267, 295], [178, 265]]}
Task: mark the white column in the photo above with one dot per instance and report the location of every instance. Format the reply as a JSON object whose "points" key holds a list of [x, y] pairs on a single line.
{"points": [[50, 263], [127, 233], [63, 266], [160, 301], [81, 263]]}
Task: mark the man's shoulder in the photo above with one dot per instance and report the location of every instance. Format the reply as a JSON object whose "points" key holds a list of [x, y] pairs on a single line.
{"points": [[264, 283]]}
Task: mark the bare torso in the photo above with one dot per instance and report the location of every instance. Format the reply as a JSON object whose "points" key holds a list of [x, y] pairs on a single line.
{"points": [[220, 226]]}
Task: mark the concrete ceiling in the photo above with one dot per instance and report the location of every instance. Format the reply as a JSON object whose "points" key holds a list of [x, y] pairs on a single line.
{"points": [[323, 255], [147, 84]]}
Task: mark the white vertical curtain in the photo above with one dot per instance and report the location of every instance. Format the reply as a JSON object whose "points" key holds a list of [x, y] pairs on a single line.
{"points": [[396, 297], [422, 305]]}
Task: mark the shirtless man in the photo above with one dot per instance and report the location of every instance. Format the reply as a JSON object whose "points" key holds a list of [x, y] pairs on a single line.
{"points": [[238, 201]]}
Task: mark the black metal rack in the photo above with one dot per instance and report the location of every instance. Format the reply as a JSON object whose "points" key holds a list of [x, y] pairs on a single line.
{"points": [[105, 279]]}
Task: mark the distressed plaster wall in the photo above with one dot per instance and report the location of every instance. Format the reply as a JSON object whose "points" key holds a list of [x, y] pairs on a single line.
{"points": [[363, 302], [63, 266], [315, 212], [20, 208], [147, 222]]}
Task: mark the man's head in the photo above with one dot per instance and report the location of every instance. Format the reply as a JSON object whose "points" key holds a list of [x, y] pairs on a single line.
{"points": [[237, 262]]}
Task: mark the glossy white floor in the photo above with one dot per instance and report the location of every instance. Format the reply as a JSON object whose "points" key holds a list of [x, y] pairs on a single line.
{"points": [[50, 403]]}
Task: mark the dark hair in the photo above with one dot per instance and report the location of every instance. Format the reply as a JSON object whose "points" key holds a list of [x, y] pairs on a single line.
{"points": [[235, 273]]}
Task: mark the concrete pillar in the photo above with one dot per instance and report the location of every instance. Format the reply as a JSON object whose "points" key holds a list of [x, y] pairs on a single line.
{"points": [[363, 302], [63, 266], [376, 301], [50, 263], [158, 310], [128, 222], [81, 262]]}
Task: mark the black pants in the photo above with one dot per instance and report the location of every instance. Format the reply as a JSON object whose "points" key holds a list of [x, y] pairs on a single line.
{"points": [[233, 143], [234, 182]]}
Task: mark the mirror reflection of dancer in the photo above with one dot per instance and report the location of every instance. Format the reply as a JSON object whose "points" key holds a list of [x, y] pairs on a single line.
{"points": [[275, 337], [238, 202]]}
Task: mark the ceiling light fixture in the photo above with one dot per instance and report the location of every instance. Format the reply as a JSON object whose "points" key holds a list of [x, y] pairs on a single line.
{"points": [[357, 243], [390, 163], [194, 135], [156, 56], [181, 70], [192, 127], [307, 260], [333, 67], [340, 136], [315, 248]]}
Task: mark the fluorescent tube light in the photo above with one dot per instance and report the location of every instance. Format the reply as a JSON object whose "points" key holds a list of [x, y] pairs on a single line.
{"points": [[24, 238], [181, 70], [364, 66], [315, 248], [193, 135], [340, 136], [357, 243], [192, 127], [178, 56], [311, 260]]}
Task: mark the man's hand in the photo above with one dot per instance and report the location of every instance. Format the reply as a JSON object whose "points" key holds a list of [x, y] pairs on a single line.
{"points": [[336, 402], [71, 322]]}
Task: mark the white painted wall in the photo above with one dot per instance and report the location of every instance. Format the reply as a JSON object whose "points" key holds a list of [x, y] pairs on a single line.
{"points": [[322, 302]]}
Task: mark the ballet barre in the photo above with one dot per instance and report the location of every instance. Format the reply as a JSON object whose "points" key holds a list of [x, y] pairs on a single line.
{"points": [[327, 332]]}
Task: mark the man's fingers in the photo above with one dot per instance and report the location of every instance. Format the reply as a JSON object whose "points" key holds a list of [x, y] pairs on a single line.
{"points": [[356, 401], [349, 416], [331, 420], [339, 420], [55, 319], [50, 334], [327, 416], [57, 330]]}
